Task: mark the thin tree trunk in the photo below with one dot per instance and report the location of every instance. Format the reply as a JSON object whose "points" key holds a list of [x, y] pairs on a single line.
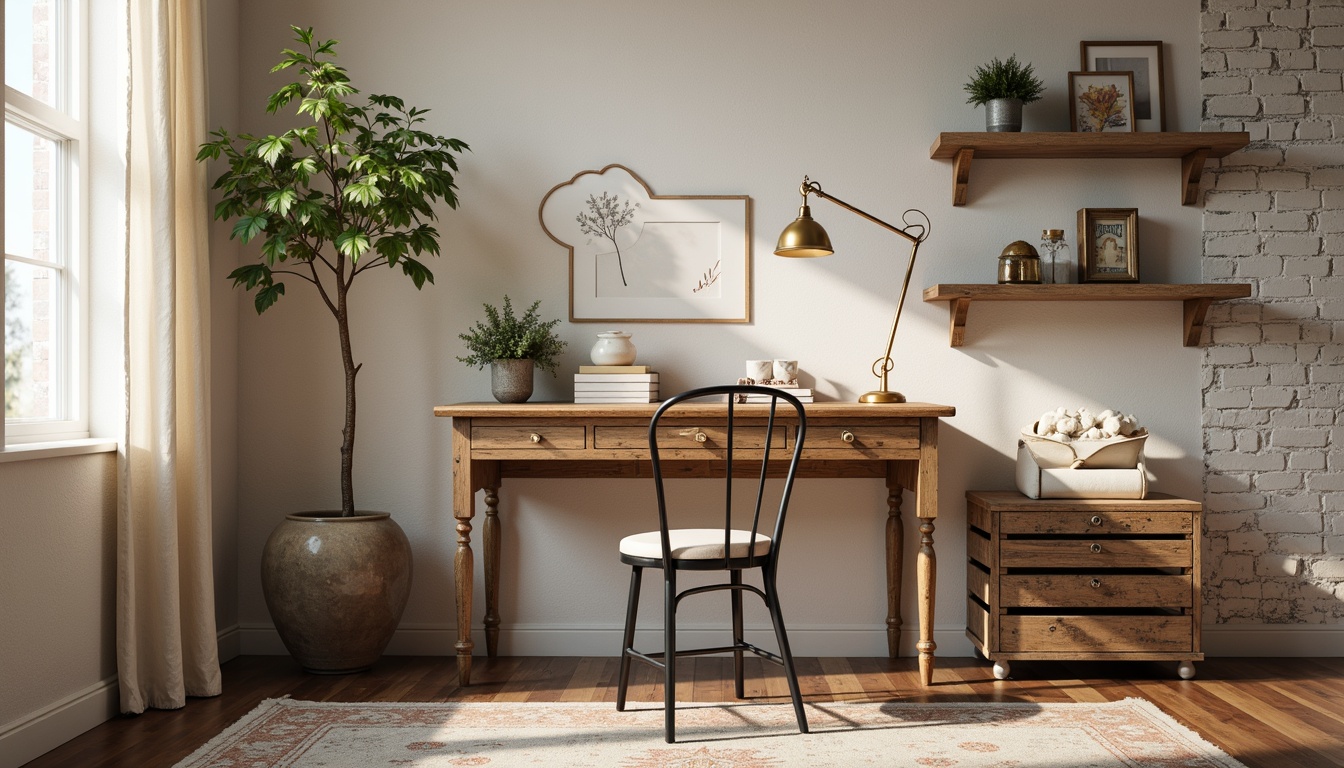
{"points": [[348, 433]]}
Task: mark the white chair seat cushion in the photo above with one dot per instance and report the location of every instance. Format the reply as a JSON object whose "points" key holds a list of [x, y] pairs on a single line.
{"points": [[693, 544]]}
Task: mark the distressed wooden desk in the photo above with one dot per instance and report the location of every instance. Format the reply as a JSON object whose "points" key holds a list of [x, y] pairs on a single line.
{"points": [[492, 441]]}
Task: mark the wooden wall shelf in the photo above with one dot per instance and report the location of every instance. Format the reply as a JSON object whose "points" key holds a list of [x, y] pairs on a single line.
{"points": [[1192, 149], [1197, 297]]}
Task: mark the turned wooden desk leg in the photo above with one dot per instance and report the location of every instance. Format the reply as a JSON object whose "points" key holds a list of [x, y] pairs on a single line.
{"points": [[464, 507], [895, 548], [491, 540], [463, 569], [926, 568]]}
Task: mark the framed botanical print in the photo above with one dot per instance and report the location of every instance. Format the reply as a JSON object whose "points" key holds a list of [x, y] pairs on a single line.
{"points": [[1108, 245], [639, 257], [1101, 102], [1143, 58]]}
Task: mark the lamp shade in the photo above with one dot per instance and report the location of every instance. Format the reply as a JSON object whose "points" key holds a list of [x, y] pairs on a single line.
{"points": [[804, 238]]}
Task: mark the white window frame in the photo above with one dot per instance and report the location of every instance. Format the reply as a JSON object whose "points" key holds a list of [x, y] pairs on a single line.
{"points": [[68, 127]]}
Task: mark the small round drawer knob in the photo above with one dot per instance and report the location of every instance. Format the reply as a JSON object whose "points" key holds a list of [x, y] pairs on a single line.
{"points": [[1096, 520], [1052, 627], [1096, 549], [847, 436], [1095, 583], [536, 438]]}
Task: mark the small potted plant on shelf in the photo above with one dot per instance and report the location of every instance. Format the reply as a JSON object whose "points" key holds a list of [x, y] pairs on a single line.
{"points": [[512, 346], [348, 189], [1002, 87]]}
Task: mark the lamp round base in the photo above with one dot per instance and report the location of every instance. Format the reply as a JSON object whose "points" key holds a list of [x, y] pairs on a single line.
{"points": [[882, 396]]}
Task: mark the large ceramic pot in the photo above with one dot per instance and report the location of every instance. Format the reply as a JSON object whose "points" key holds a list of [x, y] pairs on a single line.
{"points": [[336, 587]]}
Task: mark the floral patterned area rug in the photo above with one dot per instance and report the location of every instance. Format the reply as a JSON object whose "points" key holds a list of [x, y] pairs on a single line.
{"points": [[304, 734]]}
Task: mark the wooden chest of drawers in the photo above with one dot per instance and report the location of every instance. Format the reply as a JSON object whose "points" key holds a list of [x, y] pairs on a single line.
{"points": [[1083, 579]]}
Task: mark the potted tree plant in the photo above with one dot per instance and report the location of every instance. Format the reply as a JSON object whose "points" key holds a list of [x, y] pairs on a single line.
{"points": [[1003, 87], [349, 189], [512, 347]]}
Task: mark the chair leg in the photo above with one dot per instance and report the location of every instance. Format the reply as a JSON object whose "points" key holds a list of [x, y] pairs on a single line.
{"points": [[739, 687], [631, 609], [669, 653], [777, 618]]}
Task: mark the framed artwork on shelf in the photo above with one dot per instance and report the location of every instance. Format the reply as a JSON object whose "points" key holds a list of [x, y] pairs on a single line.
{"points": [[1144, 59], [639, 257], [1101, 102], [1108, 245]]}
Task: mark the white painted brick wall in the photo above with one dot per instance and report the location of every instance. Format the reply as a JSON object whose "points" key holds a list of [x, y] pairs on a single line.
{"points": [[1274, 364]]}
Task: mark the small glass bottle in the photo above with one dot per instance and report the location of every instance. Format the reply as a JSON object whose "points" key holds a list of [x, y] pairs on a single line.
{"points": [[1056, 266]]}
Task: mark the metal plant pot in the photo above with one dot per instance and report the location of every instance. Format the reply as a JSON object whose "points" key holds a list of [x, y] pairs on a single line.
{"points": [[336, 587], [1003, 115], [511, 380]]}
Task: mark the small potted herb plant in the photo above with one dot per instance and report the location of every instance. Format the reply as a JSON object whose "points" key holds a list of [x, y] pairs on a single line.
{"points": [[1002, 87], [512, 346]]}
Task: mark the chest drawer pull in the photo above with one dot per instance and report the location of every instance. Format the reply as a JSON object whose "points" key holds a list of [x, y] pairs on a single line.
{"points": [[695, 434], [846, 436], [534, 437], [1052, 627], [1095, 583], [1096, 520], [1096, 549]]}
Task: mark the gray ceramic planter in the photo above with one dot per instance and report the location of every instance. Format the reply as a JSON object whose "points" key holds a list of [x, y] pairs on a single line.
{"points": [[336, 587], [511, 380], [1003, 115]]}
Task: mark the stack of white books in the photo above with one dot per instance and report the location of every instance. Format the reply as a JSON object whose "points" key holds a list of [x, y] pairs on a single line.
{"points": [[616, 384], [804, 394]]}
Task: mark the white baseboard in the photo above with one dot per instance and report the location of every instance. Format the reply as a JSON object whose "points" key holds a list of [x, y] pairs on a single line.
{"points": [[549, 640], [48, 728], [1273, 640], [537, 640], [230, 643]]}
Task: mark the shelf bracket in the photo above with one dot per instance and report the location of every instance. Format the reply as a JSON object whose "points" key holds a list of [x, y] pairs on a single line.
{"points": [[1192, 168], [957, 309], [1195, 309], [961, 175]]}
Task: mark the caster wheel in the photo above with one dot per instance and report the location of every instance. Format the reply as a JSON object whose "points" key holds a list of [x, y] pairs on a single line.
{"points": [[1186, 670], [1002, 669]]}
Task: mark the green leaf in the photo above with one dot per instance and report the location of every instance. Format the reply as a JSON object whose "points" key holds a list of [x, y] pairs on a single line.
{"points": [[248, 227], [418, 273], [273, 249], [281, 200], [353, 243], [249, 276], [268, 296]]}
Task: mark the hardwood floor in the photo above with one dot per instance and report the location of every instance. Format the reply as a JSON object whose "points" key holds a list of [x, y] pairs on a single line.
{"points": [[1275, 713]]}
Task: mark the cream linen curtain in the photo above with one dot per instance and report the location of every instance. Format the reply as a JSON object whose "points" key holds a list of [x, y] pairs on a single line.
{"points": [[166, 644]]}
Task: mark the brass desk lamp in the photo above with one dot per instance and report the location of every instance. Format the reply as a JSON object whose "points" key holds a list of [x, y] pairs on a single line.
{"points": [[805, 239]]}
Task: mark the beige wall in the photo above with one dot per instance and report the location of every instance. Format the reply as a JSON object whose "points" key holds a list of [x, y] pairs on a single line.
{"points": [[705, 97]]}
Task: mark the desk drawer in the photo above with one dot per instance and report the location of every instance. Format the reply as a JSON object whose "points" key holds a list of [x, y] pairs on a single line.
{"points": [[1086, 522], [1095, 553], [1098, 589], [537, 438], [672, 440], [862, 440], [1095, 634]]}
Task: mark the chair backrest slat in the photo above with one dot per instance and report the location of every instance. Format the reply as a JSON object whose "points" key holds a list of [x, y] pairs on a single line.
{"points": [[729, 417]]}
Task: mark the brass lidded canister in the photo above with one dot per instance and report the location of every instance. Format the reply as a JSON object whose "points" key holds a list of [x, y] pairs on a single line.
{"points": [[1019, 263]]}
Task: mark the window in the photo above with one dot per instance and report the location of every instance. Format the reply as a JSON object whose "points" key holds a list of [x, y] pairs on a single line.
{"points": [[45, 390]]}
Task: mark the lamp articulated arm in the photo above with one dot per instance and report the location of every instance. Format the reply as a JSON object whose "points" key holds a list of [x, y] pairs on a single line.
{"points": [[913, 232]]}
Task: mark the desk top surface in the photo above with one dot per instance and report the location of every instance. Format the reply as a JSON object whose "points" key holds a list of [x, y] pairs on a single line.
{"points": [[645, 410]]}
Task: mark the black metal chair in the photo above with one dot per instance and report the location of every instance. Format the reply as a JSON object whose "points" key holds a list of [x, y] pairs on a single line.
{"points": [[730, 549]]}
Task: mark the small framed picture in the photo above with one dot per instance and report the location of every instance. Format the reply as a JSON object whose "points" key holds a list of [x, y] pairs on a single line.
{"points": [[1101, 102], [1108, 245], [1144, 59]]}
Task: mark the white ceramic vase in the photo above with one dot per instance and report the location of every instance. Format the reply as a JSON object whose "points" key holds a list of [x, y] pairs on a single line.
{"points": [[613, 348]]}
